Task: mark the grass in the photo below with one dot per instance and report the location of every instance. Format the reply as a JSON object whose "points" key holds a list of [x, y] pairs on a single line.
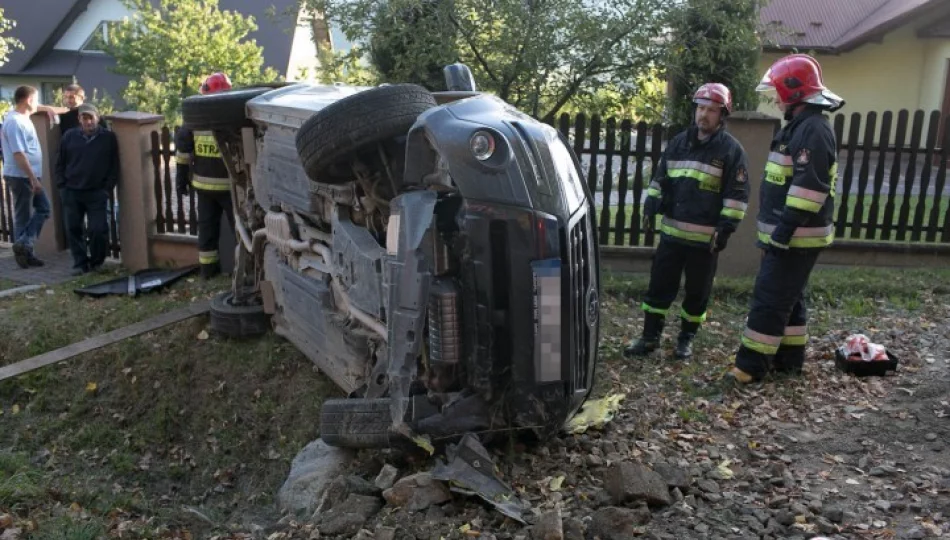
{"points": [[839, 301], [149, 425], [864, 234], [134, 435], [7, 284]]}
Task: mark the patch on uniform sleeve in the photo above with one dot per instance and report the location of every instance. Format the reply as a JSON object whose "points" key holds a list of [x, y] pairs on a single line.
{"points": [[742, 176], [804, 156]]}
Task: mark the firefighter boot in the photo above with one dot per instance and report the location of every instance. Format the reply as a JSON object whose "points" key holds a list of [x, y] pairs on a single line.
{"points": [[210, 270], [650, 340], [684, 343]]}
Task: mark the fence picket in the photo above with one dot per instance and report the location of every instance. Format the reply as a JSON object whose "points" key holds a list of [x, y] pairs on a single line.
{"points": [[909, 175]]}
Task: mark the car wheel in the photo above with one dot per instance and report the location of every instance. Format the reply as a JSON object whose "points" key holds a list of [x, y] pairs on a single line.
{"points": [[237, 321], [363, 119], [356, 423], [222, 111]]}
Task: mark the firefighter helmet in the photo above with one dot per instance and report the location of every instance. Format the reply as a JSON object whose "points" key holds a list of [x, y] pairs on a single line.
{"points": [[796, 78], [714, 93], [217, 82]]}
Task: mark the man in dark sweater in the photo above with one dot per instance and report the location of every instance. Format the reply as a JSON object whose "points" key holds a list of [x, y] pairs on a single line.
{"points": [[86, 172]]}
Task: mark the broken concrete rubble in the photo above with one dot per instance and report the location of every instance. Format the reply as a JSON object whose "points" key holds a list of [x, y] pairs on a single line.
{"points": [[628, 482], [312, 470], [417, 492]]}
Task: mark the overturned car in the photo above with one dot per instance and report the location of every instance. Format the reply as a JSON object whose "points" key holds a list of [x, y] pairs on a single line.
{"points": [[433, 253]]}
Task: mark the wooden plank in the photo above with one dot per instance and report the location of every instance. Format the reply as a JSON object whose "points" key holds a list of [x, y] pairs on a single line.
{"points": [[919, 212], [853, 133], [889, 209], [157, 186], [564, 126], [103, 340], [879, 174], [594, 151], [638, 183], [620, 220], [656, 152], [857, 219], [910, 175], [938, 189], [608, 180]]}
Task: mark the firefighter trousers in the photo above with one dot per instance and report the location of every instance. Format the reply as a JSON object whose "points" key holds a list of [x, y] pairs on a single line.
{"points": [[671, 260], [776, 330], [211, 204]]}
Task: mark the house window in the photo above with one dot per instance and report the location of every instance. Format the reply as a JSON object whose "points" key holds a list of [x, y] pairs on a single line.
{"points": [[100, 37]]}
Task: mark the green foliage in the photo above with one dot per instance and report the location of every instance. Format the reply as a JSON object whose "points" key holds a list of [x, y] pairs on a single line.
{"points": [[7, 43], [539, 55], [104, 103], [168, 47], [713, 41]]}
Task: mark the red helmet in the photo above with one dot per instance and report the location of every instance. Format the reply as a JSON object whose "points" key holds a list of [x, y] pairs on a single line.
{"points": [[218, 82], [714, 93], [796, 78]]}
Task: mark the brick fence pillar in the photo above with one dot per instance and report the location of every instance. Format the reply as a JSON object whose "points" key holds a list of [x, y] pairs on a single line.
{"points": [[136, 185]]}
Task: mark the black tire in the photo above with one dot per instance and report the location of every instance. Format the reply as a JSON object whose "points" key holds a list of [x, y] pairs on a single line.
{"points": [[223, 111], [356, 423], [356, 121], [237, 321]]}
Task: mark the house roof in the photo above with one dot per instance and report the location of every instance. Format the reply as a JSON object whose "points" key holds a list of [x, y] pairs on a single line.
{"points": [[837, 25], [37, 23], [41, 23]]}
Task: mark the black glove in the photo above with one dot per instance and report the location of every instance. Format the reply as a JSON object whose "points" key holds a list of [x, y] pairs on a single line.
{"points": [[183, 179], [649, 213], [781, 238], [722, 238]]}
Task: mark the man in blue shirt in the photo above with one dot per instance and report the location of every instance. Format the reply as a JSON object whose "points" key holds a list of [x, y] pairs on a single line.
{"points": [[22, 167]]}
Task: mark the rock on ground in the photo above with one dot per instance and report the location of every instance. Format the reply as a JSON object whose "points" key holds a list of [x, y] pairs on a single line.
{"points": [[311, 472]]}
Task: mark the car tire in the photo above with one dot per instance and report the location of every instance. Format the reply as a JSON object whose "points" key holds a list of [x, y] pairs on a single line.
{"points": [[237, 322], [356, 423], [223, 111], [363, 119]]}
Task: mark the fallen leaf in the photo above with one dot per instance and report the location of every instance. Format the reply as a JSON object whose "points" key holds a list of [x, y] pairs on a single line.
{"points": [[556, 483], [91, 387], [852, 481], [15, 409], [724, 471], [203, 335]]}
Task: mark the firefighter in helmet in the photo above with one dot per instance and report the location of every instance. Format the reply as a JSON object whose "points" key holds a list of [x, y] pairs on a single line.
{"points": [[795, 221], [701, 188], [201, 168]]}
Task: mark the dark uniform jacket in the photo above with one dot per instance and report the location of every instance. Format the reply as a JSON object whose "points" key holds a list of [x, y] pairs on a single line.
{"points": [[197, 152], [797, 195], [700, 187]]}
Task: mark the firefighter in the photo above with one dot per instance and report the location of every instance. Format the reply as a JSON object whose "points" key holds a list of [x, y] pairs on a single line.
{"points": [[701, 188], [201, 167], [795, 220]]}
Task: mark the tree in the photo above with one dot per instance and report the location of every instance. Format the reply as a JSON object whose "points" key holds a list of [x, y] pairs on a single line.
{"points": [[539, 55], [168, 47], [713, 41], [7, 43]]}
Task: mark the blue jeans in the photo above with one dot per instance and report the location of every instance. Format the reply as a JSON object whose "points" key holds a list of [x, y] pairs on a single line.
{"points": [[27, 225]]}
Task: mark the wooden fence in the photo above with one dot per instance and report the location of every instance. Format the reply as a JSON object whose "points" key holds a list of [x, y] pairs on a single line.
{"points": [[174, 213], [6, 218], [891, 183]]}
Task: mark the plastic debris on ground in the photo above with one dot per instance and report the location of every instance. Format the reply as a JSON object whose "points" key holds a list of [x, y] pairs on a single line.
{"points": [[861, 357], [594, 414], [471, 471], [143, 281]]}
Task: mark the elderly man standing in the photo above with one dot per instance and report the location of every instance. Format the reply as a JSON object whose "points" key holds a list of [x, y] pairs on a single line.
{"points": [[86, 172]]}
